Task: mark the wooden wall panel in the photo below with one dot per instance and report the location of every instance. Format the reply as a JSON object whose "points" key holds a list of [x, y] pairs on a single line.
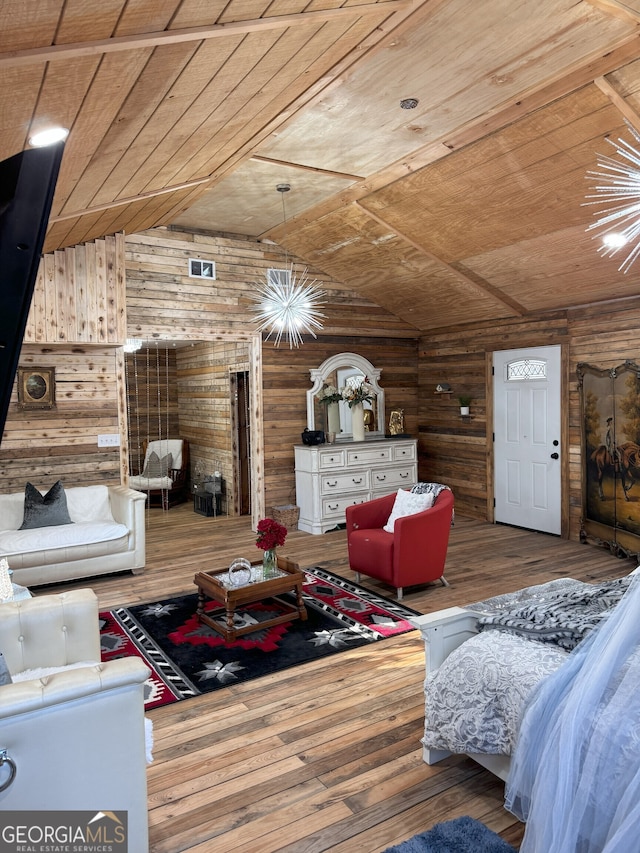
{"points": [[157, 276], [42, 446], [163, 302], [286, 381], [79, 296], [205, 408], [455, 451]]}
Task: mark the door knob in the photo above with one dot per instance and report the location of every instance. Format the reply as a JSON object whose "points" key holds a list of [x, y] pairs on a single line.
{"points": [[555, 456]]}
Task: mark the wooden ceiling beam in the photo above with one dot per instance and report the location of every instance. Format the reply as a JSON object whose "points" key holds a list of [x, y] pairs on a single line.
{"points": [[62, 52], [74, 214], [303, 167], [616, 10], [483, 288], [632, 116]]}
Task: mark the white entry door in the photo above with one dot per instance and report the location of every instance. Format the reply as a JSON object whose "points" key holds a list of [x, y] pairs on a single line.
{"points": [[526, 417]]}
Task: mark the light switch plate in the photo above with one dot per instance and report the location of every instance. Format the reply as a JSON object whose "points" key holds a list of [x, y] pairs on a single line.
{"points": [[109, 440]]}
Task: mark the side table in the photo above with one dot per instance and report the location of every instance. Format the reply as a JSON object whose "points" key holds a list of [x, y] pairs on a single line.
{"points": [[203, 503]]}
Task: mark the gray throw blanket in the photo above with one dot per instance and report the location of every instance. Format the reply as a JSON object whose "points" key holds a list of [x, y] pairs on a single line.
{"points": [[564, 618]]}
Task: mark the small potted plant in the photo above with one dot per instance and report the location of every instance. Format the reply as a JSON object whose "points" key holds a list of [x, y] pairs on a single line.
{"points": [[465, 402]]}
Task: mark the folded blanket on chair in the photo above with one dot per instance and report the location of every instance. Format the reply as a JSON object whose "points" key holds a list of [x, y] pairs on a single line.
{"points": [[434, 489]]}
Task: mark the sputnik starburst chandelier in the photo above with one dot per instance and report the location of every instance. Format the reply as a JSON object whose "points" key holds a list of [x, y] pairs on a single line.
{"points": [[287, 302], [619, 222]]}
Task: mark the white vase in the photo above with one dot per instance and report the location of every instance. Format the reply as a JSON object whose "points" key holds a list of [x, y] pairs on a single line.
{"points": [[357, 422], [333, 418]]}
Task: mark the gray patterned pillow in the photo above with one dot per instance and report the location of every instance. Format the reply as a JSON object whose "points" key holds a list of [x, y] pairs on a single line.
{"points": [[45, 510], [157, 467]]}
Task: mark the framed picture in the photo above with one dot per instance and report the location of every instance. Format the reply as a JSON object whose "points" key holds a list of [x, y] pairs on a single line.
{"points": [[36, 387]]}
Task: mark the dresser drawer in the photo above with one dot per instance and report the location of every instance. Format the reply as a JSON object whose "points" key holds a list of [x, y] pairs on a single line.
{"points": [[404, 451], [393, 478], [368, 455], [344, 482], [336, 507], [331, 459]]}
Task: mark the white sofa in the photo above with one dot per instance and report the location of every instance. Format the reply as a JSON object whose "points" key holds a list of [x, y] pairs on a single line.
{"points": [[107, 535], [76, 738]]}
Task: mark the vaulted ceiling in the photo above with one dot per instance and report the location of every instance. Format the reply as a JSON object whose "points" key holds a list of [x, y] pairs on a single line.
{"points": [[470, 206]]}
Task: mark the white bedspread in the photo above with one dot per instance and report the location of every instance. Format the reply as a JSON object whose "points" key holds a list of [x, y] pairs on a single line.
{"points": [[474, 699]]}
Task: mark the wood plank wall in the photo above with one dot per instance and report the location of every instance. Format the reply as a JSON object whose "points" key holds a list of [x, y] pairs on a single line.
{"points": [[454, 450], [205, 403], [76, 324], [79, 295], [42, 446], [152, 399], [286, 381], [163, 302]]}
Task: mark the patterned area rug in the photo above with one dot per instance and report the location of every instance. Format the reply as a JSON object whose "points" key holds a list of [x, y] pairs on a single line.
{"points": [[188, 658]]}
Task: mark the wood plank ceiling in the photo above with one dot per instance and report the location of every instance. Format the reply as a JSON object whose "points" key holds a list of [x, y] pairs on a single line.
{"points": [[468, 207]]}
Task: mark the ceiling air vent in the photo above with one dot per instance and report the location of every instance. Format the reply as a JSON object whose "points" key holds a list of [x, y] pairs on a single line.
{"points": [[201, 269]]}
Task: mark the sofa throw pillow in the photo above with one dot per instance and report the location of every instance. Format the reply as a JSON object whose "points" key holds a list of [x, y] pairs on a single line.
{"points": [[157, 467], [407, 503], [45, 510]]}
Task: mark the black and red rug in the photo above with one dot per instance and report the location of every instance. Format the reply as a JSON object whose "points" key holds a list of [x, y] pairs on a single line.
{"points": [[188, 658]]}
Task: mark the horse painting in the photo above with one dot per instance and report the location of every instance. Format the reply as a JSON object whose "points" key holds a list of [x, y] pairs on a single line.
{"points": [[626, 464]]}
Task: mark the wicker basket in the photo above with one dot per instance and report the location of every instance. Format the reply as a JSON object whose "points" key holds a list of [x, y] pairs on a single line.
{"points": [[287, 515]]}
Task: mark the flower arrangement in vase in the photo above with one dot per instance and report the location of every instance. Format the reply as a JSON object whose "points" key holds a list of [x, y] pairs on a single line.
{"points": [[270, 534], [357, 391], [328, 394], [329, 397]]}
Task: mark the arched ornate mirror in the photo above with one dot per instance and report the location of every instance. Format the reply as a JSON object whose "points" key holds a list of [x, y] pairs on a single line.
{"points": [[335, 371]]}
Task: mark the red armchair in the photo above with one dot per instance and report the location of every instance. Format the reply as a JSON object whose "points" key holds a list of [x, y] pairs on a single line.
{"points": [[413, 554]]}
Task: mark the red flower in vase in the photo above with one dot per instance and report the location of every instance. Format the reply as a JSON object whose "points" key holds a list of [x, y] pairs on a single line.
{"points": [[270, 534]]}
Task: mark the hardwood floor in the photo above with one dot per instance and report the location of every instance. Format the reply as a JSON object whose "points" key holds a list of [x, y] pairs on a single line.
{"points": [[327, 756]]}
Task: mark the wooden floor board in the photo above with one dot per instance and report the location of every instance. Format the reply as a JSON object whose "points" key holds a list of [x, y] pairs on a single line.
{"points": [[324, 757]]}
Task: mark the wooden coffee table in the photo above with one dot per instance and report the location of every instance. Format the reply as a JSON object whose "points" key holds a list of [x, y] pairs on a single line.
{"points": [[210, 585]]}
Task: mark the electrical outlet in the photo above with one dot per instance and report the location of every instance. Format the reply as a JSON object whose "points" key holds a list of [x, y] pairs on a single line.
{"points": [[109, 440]]}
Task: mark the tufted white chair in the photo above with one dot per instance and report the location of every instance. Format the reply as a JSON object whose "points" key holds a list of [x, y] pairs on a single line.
{"points": [[75, 738]]}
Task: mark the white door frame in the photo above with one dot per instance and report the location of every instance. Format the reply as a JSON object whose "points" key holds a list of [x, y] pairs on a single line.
{"points": [[564, 430]]}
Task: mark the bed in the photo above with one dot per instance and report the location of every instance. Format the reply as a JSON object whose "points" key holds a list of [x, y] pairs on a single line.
{"points": [[483, 660]]}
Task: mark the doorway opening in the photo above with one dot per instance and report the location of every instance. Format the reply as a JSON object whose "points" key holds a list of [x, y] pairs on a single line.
{"points": [[241, 440]]}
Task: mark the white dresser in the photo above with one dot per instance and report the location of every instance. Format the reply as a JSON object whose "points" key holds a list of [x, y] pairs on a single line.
{"points": [[331, 477]]}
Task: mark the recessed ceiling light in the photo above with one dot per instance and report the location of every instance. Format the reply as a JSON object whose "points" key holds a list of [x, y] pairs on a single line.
{"points": [[409, 103], [48, 137]]}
